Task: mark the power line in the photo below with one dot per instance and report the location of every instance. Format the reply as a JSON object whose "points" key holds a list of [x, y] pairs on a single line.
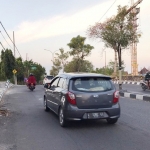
{"points": [[5, 39], [2, 45], [10, 38], [108, 10]]}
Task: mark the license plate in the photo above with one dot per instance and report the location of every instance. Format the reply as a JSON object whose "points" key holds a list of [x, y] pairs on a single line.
{"points": [[96, 115]]}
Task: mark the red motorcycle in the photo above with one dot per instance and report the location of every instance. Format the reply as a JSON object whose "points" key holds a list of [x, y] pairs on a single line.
{"points": [[31, 86]]}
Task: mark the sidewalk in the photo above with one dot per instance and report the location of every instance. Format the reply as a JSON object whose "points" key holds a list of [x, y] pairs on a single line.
{"points": [[3, 87]]}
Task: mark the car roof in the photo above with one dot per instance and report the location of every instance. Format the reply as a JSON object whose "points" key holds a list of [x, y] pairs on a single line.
{"points": [[83, 74]]}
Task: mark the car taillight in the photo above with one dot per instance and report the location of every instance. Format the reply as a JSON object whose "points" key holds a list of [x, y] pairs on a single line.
{"points": [[116, 97], [71, 98]]}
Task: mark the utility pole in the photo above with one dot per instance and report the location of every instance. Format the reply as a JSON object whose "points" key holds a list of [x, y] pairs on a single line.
{"points": [[14, 44], [115, 64], [105, 59], [2, 46], [105, 62], [15, 76]]}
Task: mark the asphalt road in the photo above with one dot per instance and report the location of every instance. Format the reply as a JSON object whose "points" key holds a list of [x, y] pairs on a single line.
{"points": [[29, 127], [133, 88]]}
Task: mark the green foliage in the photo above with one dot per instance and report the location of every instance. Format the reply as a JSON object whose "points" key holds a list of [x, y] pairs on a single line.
{"points": [[35, 68], [73, 66], [103, 70], [2, 73], [7, 64], [109, 70], [56, 67], [20, 69], [38, 71], [112, 63], [79, 50], [62, 58], [27, 66], [116, 32]]}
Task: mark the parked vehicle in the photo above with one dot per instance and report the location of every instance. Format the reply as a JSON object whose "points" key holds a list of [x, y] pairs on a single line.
{"points": [[47, 79], [82, 96]]}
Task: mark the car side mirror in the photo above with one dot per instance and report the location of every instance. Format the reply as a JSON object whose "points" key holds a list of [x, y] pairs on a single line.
{"points": [[47, 85]]}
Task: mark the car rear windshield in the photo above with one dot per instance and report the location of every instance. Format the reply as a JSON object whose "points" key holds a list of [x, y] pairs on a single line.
{"points": [[49, 77], [91, 84]]}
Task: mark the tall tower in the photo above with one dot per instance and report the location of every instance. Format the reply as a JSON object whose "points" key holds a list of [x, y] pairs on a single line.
{"points": [[134, 65]]}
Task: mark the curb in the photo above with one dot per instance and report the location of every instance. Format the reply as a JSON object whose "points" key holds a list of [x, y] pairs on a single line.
{"points": [[135, 96], [127, 82]]}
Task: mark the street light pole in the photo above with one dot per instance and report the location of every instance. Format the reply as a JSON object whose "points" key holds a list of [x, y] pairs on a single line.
{"points": [[52, 54]]}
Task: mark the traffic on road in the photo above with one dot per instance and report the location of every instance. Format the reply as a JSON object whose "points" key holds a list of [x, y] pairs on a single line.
{"points": [[29, 127]]}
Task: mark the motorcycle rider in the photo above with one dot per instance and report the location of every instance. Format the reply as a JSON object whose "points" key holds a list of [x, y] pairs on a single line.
{"points": [[147, 78], [31, 79]]}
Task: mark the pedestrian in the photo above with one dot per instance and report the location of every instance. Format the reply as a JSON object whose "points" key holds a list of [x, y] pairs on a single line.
{"points": [[25, 80]]}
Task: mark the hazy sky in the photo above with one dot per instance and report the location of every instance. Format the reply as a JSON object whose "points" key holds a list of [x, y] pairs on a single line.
{"points": [[51, 24]]}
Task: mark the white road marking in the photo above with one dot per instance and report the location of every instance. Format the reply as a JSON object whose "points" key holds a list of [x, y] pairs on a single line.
{"points": [[40, 99]]}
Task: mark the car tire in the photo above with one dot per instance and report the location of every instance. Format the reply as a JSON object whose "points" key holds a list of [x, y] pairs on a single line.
{"points": [[112, 120], [62, 121], [45, 104]]}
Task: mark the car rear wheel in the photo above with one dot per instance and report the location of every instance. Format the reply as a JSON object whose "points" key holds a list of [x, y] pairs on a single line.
{"points": [[112, 120], [62, 120], [45, 105]]}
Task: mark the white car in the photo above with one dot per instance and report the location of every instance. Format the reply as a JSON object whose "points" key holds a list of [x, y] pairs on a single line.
{"points": [[47, 79]]}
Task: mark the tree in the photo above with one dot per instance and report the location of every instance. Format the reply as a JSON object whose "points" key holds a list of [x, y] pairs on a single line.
{"points": [[62, 57], [38, 71], [112, 63], [79, 50], [117, 32], [106, 71], [56, 67], [2, 73], [20, 69], [35, 68], [27, 65], [73, 66], [8, 63]]}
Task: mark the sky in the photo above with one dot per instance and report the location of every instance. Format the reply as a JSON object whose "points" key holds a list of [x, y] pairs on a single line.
{"points": [[51, 24]]}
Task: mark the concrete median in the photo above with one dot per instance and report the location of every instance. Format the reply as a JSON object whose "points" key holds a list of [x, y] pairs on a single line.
{"points": [[137, 96]]}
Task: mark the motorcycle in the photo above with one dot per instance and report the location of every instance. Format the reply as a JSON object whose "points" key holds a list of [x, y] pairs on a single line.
{"points": [[31, 86], [144, 85]]}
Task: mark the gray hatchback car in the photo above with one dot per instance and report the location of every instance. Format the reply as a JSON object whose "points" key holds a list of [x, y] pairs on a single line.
{"points": [[82, 96]]}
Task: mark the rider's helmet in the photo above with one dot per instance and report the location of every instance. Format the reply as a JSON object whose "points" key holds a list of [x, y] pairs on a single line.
{"points": [[31, 74]]}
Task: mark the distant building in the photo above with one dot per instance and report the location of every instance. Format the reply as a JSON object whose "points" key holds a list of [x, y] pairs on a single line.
{"points": [[143, 71]]}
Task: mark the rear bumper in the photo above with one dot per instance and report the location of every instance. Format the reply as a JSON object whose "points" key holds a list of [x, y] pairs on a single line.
{"points": [[74, 113]]}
